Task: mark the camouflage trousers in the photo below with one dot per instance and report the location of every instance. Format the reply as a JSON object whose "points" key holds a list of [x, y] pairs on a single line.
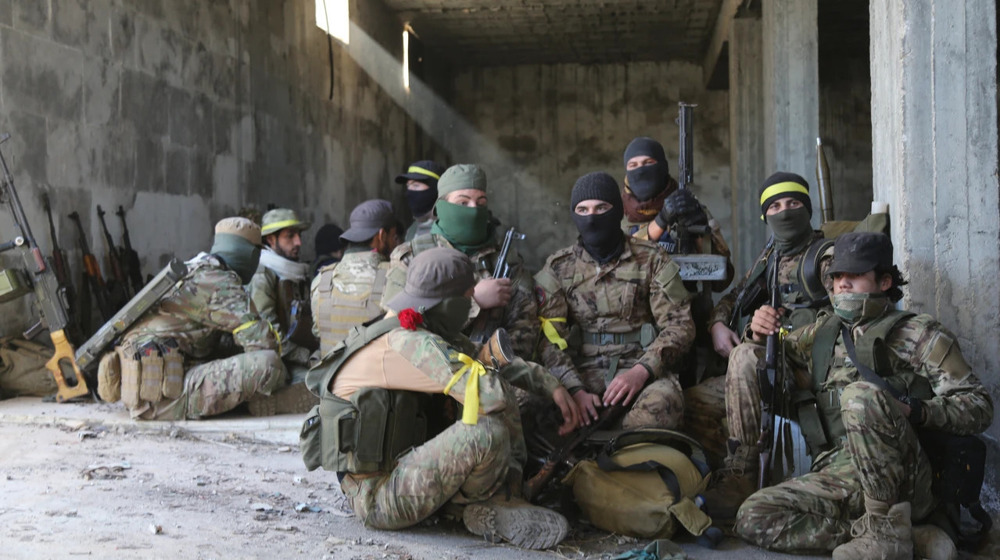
{"points": [[881, 458], [462, 464], [221, 385], [705, 417]]}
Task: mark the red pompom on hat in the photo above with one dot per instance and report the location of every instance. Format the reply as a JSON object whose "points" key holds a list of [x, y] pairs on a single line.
{"points": [[410, 319]]}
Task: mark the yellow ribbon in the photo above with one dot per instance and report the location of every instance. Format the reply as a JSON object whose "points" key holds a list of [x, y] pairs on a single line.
{"points": [[551, 333], [243, 327], [271, 228], [470, 413], [416, 169]]}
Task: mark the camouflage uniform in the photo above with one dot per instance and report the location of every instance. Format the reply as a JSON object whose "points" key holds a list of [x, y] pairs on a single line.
{"points": [[464, 463], [705, 410], [263, 290], [520, 316], [642, 286], [346, 294], [210, 304], [880, 457]]}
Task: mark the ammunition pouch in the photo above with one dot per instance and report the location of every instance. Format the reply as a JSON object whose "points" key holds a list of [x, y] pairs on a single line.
{"points": [[365, 434], [643, 336], [142, 374]]}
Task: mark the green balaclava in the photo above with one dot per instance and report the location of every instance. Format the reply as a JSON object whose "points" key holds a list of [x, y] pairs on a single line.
{"points": [[792, 228], [859, 308], [467, 228], [237, 243]]}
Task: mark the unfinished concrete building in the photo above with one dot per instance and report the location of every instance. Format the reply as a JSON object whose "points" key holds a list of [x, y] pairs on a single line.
{"points": [[186, 111]]}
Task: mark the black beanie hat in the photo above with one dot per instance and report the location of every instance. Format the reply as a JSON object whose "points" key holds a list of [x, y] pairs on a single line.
{"points": [[328, 239], [646, 146], [783, 184], [596, 186]]}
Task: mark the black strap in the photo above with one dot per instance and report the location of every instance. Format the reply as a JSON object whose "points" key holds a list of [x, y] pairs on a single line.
{"points": [[865, 371], [666, 473]]}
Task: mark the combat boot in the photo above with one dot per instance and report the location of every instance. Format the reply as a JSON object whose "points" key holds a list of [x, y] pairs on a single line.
{"points": [[732, 484], [882, 533], [931, 542], [515, 521]]}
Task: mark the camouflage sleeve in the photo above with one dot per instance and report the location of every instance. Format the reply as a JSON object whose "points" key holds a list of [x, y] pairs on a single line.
{"points": [[723, 310], [670, 303], [521, 314], [395, 279], [262, 292], [314, 303], [231, 310], [437, 360], [797, 345], [552, 306], [531, 377], [961, 404]]}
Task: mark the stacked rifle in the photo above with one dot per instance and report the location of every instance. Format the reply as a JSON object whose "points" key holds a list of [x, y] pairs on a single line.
{"points": [[67, 302]]}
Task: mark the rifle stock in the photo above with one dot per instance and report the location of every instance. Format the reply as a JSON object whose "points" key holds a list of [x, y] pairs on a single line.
{"points": [[534, 486], [50, 297]]}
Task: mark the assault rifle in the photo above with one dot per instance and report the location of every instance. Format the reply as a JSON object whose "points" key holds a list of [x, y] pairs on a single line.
{"points": [[751, 295], [489, 320], [117, 282], [131, 259], [49, 296], [770, 386], [92, 270], [685, 122], [565, 454]]}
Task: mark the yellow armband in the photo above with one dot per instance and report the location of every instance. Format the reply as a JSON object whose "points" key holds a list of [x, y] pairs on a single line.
{"points": [[551, 333], [244, 327], [470, 413]]}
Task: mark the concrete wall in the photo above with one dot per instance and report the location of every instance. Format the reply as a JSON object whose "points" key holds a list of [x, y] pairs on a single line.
{"points": [[184, 111], [845, 124], [543, 126]]}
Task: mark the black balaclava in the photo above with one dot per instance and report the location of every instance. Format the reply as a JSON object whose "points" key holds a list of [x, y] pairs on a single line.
{"points": [[600, 234], [647, 181]]}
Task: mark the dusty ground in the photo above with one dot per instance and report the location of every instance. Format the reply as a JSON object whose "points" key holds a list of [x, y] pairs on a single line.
{"points": [[82, 481]]}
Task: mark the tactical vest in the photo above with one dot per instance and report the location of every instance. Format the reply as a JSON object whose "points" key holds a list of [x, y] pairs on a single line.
{"points": [[367, 433], [819, 410], [344, 301], [803, 297], [485, 262], [295, 315]]}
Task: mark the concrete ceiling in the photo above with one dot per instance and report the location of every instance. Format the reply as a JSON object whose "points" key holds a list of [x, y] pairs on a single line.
{"points": [[503, 32]]}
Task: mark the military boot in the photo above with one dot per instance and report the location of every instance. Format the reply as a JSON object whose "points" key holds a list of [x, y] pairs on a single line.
{"points": [[931, 542], [732, 484], [515, 521], [882, 533]]}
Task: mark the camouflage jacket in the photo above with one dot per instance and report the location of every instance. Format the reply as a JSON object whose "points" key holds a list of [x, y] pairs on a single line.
{"points": [[641, 286], [917, 346], [788, 270], [520, 316], [263, 290], [210, 302], [346, 294]]}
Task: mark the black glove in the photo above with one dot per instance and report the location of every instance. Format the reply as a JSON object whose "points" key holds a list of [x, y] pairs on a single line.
{"points": [[681, 207]]}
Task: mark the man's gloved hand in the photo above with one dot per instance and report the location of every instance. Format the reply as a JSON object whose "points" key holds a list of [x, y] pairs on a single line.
{"points": [[681, 206]]}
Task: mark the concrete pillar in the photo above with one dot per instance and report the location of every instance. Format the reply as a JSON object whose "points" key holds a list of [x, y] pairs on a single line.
{"points": [[746, 144], [934, 135], [791, 89]]}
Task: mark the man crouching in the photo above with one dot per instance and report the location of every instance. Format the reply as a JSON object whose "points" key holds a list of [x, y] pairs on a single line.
{"points": [[377, 412]]}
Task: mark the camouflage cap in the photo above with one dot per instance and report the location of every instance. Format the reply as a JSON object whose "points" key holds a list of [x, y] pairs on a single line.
{"points": [[459, 177], [367, 218], [434, 274], [861, 252], [241, 227], [279, 219]]}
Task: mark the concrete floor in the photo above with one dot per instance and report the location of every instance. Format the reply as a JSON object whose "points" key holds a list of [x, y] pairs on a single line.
{"points": [[283, 430]]}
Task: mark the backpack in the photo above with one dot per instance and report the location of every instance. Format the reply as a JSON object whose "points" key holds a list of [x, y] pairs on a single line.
{"points": [[22, 369], [643, 484]]}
